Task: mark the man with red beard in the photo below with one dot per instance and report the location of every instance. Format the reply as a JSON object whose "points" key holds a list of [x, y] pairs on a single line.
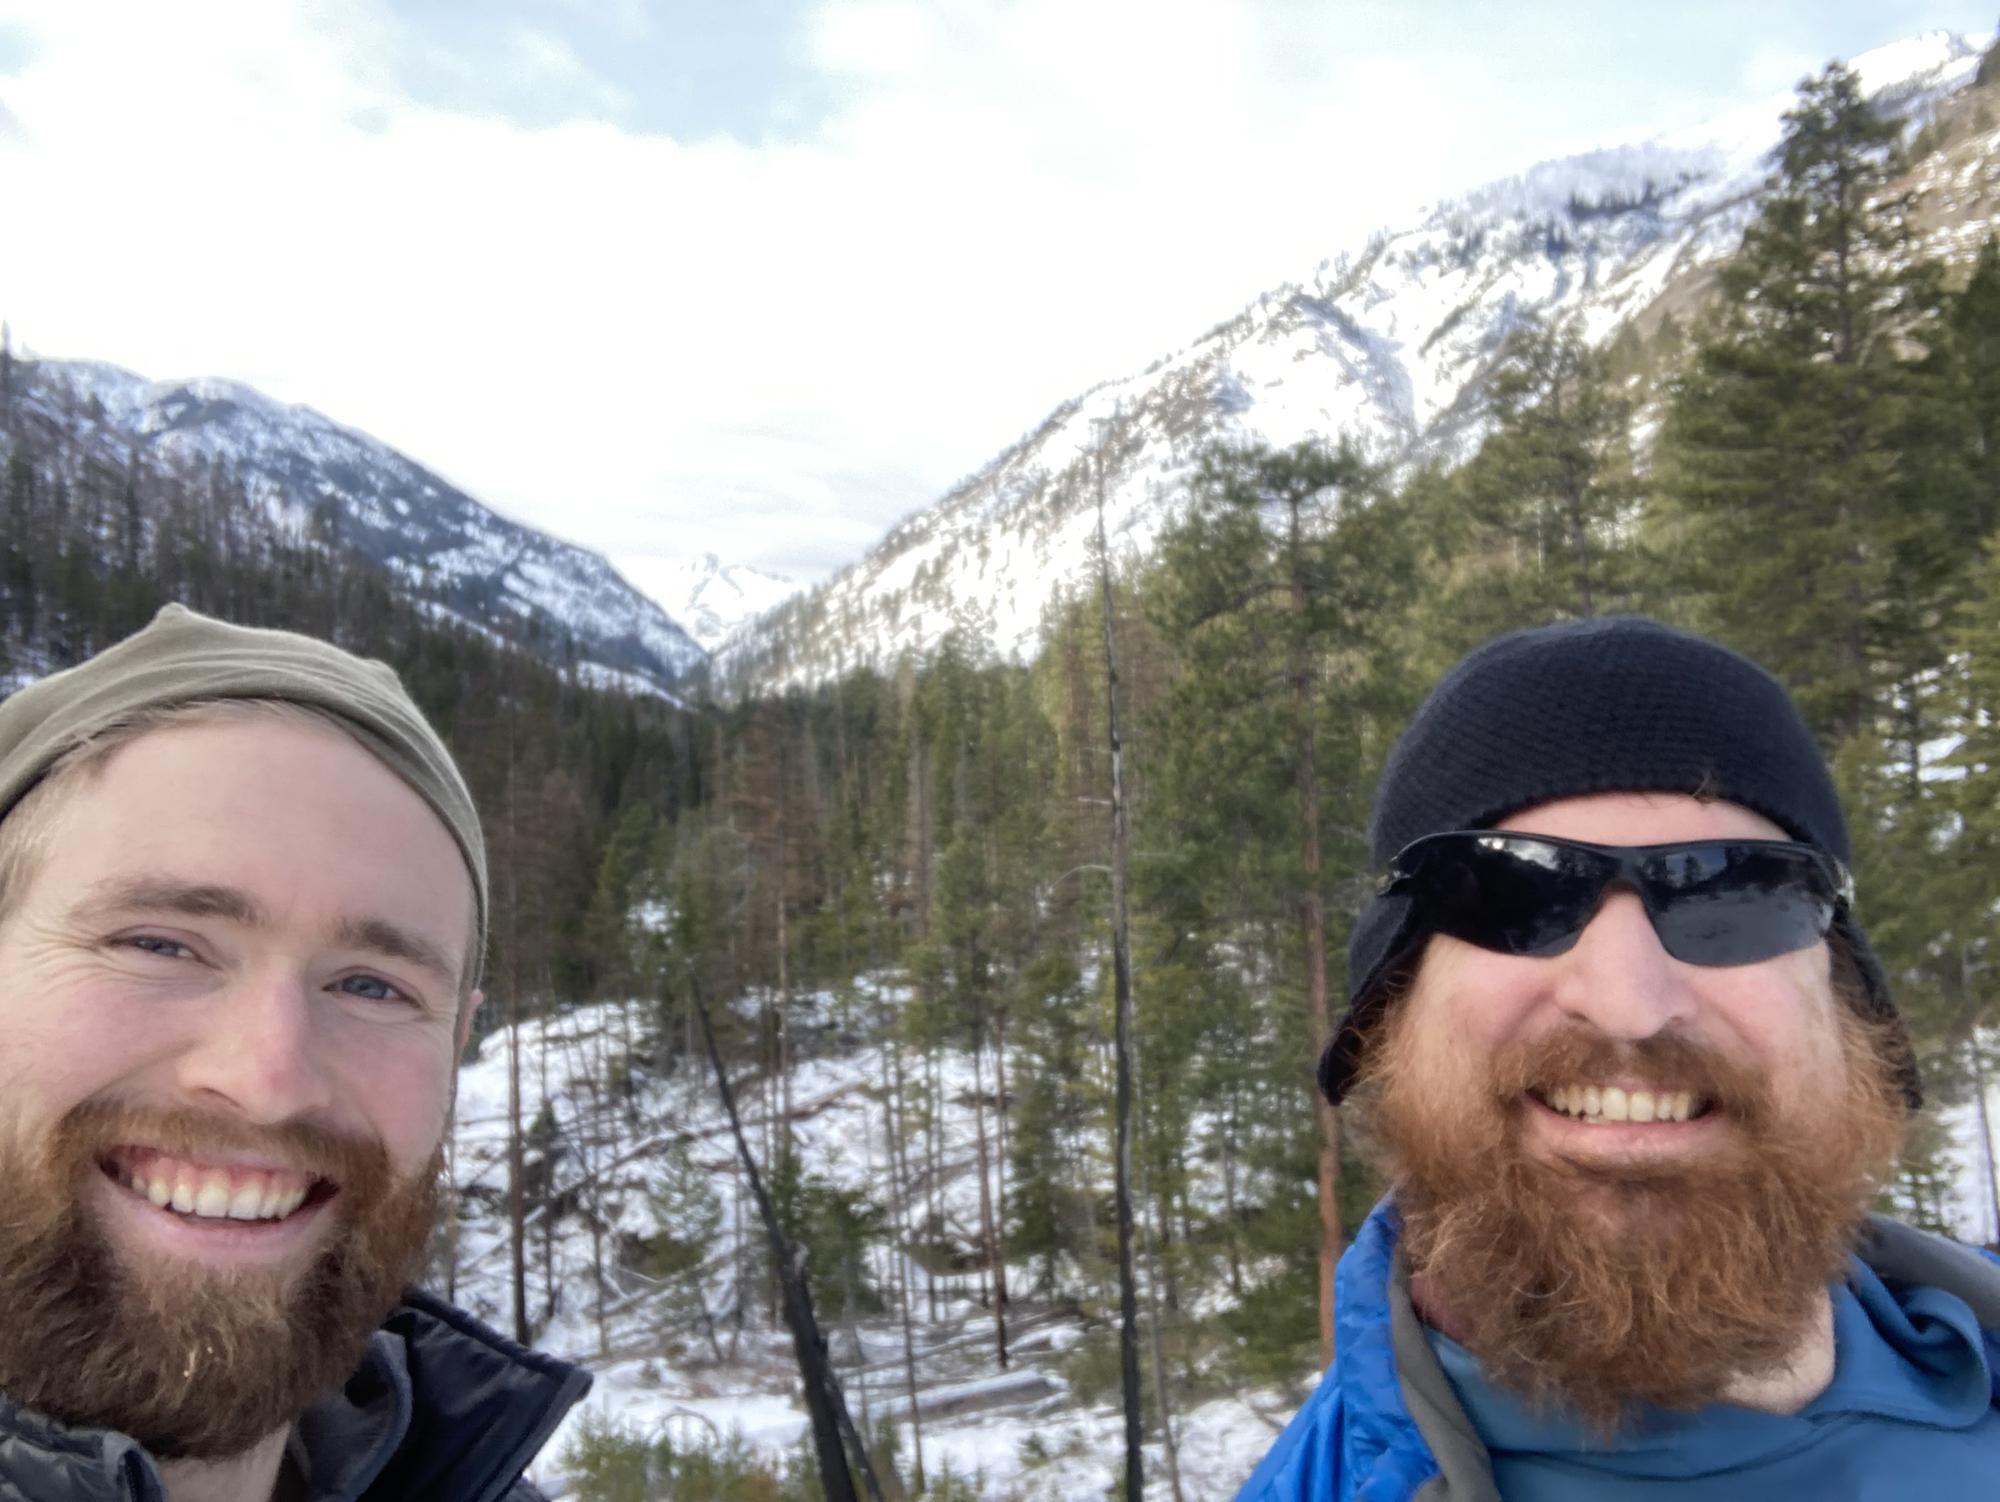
{"points": [[1633, 1074], [242, 907]]}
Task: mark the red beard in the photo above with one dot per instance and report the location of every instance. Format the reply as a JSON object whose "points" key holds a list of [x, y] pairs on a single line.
{"points": [[192, 1362], [1594, 1288]]}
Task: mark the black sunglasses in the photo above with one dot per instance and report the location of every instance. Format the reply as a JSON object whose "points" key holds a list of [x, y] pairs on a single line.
{"points": [[1712, 902]]}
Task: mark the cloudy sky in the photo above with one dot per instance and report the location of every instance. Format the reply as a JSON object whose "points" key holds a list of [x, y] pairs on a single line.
{"points": [[757, 277]]}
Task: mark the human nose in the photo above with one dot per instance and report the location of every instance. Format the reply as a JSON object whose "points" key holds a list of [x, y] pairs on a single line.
{"points": [[256, 1052], [1618, 978]]}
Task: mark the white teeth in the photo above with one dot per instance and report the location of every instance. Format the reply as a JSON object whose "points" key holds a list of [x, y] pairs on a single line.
{"points": [[212, 1203], [246, 1203], [261, 1197], [1613, 1103]]}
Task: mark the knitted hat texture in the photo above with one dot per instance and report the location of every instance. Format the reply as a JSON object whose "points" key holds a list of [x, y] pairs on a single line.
{"points": [[1609, 704]]}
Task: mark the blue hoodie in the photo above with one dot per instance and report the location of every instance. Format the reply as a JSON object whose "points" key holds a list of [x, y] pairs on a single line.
{"points": [[1385, 1424]]}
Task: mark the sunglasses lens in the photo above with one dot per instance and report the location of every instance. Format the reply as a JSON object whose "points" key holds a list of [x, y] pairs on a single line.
{"points": [[1723, 904], [1711, 902], [1513, 896]]}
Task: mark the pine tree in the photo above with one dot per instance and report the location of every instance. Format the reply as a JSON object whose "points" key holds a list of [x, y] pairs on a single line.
{"points": [[1272, 591], [1974, 345], [1966, 858], [1550, 490], [1806, 452]]}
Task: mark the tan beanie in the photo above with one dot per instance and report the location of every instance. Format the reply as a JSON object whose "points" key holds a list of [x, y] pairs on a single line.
{"points": [[186, 658]]}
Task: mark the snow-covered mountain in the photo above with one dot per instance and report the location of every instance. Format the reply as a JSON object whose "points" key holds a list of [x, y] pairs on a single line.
{"points": [[323, 479], [1390, 343], [711, 599]]}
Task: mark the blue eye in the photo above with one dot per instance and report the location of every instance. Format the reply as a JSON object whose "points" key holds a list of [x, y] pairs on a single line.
{"points": [[370, 988], [166, 949]]}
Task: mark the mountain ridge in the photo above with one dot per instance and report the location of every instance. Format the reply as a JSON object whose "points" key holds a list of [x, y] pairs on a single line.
{"points": [[710, 599], [1388, 343], [318, 477]]}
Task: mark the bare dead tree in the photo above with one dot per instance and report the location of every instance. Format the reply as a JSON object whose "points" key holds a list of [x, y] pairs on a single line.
{"points": [[824, 1403]]}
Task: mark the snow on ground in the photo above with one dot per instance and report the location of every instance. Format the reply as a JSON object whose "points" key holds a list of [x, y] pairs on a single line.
{"points": [[1023, 1433], [1974, 1204]]}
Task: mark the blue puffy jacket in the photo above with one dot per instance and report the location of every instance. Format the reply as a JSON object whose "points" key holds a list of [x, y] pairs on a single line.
{"points": [[1385, 1425]]}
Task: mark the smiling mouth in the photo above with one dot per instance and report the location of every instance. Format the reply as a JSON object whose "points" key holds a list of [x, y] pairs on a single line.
{"points": [[1611, 1104], [220, 1192]]}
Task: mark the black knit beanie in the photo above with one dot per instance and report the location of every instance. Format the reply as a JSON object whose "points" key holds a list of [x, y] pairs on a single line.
{"points": [[1611, 704]]}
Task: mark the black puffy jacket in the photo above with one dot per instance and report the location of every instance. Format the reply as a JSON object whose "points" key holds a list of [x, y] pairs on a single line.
{"points": [[442, 1409]]}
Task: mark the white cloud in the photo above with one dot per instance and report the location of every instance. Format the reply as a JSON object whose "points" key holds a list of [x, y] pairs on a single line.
{"points": [[662, 348], [536, 58], [873, 38]]}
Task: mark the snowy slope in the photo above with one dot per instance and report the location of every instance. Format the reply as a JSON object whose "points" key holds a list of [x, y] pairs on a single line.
{"points": [[611, 1154], [315, 476], [713, 600], [1389, 343]]}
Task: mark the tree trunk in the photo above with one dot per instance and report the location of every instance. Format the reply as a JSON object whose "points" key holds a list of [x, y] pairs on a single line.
{"points": [[587, 1147], [1001, 1295], [742, 1260], [1229, 1195], [1312, 920], [707, 1318], [517, 1195], [1162, 1258], [900, 1205], [934, 1162], [784, 1011], [1122, 1041], [996, 1280], [548, 1195], [1986, 1133], [824, 1405], [1160, 1369]]}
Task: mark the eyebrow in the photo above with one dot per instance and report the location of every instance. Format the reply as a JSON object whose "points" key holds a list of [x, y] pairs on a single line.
{"points": [[187, 899], [156, 894], [397, 943]]}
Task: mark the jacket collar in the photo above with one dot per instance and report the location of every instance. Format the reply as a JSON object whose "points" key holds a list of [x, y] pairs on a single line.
{"points": [[441, 1408], [1412, 1418], [1400, 1414]]}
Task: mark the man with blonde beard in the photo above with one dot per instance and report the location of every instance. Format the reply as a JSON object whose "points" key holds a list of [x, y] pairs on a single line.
{"points": [[1632, 1071], [242, 906]]}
